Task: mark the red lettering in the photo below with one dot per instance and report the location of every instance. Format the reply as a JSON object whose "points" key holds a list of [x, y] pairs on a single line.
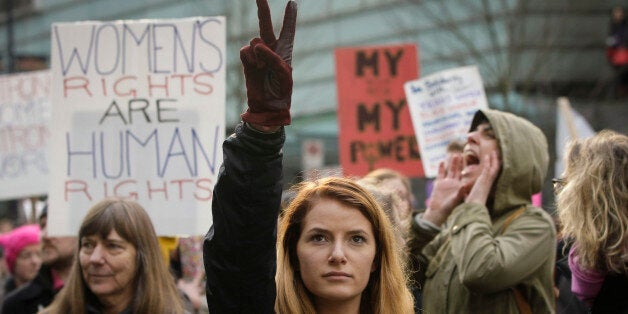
{"points": [[72, 186], [76, 82], [204, 185], [150, 189]]}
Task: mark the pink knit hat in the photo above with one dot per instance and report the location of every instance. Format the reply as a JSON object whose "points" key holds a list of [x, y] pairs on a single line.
{"points": [[15, 240]]}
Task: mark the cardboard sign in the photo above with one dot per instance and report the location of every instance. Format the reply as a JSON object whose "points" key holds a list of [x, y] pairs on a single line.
{"points": [[375, 128], [24, 134], [442, 107], [139, 112]]}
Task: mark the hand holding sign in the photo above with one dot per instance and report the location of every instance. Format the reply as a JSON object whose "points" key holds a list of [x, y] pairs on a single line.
{"points": [[267, 69]]}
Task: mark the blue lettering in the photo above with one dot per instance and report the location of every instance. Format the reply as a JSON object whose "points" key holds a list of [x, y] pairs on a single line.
{"points": [[171, 153], [108, 156], [83, 64], [118, 152], [109, 42], [71, 153], [168, 47], [152, 135], [138, 41]]}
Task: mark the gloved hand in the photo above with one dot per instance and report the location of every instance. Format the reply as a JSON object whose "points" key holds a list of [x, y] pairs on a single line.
{"points": [[267, 69]]}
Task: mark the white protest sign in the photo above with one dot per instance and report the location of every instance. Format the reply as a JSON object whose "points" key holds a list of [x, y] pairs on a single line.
{"points": [[442, 106], [24, 134], [139, 112], [313, 154]]}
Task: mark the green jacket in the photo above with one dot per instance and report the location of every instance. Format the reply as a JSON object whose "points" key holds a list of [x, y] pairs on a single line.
{"points": [[469, 265]]}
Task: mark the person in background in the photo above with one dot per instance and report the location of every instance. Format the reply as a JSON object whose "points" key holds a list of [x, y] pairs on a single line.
{"points": [[390, 202], [6, 225], [617, 49], [119, 268], [398, 183], [487, 249], [392, 205], [186, 265], [592, 205], [57, 257], [336, 248], [23, 255]]}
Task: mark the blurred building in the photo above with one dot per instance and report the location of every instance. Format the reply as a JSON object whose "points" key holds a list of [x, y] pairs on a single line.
{"points": [[528, 51]]}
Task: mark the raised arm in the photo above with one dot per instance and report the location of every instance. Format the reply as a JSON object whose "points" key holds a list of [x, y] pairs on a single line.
{"points": [[267, 64], [240, 248]]}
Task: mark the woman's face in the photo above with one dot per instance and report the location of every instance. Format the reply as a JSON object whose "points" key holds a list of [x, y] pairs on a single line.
{"points": [[617, 14], [481, 142], [108, 265], [27, 263], [336, 252]]}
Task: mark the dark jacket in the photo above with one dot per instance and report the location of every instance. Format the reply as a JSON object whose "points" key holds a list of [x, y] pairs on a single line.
{"points": [[9, 285], [610, 299], [239, 251], [94, 308], [31, 297]]}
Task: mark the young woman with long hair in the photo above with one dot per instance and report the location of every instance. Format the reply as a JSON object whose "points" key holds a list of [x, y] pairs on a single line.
{"points": [[337, 220]]}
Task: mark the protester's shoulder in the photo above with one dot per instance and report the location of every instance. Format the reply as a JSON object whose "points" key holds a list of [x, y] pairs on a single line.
{"points": [[539, 215], [9, 284], [531, 216], [26, 293], [538, 211]]}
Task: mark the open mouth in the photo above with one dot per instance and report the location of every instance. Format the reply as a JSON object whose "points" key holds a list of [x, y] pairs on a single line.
{"points": [[471, 161], [470, 158]]}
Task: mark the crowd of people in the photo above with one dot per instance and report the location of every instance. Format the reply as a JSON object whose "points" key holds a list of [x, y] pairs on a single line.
{"points": [[347, 245]]}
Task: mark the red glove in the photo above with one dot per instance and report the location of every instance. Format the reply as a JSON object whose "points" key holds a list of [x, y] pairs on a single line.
{"points": [[267, 69]]}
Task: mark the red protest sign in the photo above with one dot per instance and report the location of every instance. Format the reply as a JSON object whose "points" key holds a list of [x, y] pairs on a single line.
{"points": [[375, 128]]}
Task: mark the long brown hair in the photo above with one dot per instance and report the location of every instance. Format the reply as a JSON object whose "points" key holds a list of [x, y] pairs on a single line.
{"points": [[387, 289], [155, 291]]}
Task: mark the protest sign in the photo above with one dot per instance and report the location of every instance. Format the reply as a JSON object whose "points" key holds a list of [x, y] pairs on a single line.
{"points": [[442, 106], [375, 129], [139, 112], [570, 125], [24, 134]]}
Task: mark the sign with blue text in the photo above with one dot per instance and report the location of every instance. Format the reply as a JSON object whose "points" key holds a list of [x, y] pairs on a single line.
{"points": [[442, 106], [24, 134], [138, 112]]}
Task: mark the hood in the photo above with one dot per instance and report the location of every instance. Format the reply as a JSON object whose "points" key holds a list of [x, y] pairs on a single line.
{"points": [[525, 159]]}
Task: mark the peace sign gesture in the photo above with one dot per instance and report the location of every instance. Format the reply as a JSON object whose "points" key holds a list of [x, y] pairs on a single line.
{"points": [[282, 45], [267, 68]]}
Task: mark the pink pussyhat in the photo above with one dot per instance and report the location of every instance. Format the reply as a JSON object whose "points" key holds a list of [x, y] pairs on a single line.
{"points": [[15, 240]]}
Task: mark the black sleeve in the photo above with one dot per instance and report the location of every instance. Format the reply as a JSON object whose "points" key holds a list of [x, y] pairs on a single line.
{"points": [[239, 250]]}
